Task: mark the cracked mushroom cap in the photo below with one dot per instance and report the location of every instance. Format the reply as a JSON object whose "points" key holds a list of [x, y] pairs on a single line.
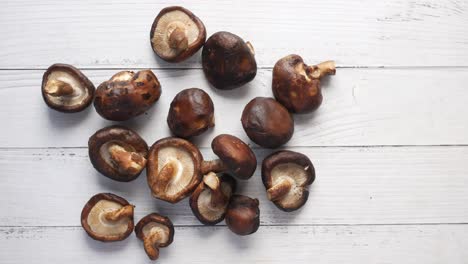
{"points": [[176, 34], [228, 61], [173, 169], [297, 86], [156, 231], [118, 153], [237, 157], [287, 176], [127, 94], [267, 123], [243, 215], [107, 217], [191, 113], [66, 89], [210, 199]]}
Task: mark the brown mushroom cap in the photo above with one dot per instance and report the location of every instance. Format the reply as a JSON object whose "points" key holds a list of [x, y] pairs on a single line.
{"points": [[297, 86], [210, 199], [236, 156], [107, 217], [243, 215], [118, 153], [127, 94], [66, 89], [267, 122], [177, 34], [156, 231], [173, 169], [228, 61], [287, 176], [191, 113]]}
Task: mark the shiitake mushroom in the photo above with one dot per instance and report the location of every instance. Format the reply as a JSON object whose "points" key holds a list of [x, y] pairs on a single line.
{"points": [[118, 153], [66, 89], [127, 94], [297, 86], [191, 113], [267, 123], [287, 176], [156, 231], [228, 61], [243, 215], [176, 34], [107, 217]]}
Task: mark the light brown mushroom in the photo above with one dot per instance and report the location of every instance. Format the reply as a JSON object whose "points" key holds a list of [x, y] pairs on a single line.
{"points": [[156, 231], [107, 217], [287, 176], [176, 34]]}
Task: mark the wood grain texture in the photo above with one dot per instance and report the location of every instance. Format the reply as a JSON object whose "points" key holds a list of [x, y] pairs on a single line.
{"points": [[112, 33], [429, 244], [361, 107], [353, 186]]}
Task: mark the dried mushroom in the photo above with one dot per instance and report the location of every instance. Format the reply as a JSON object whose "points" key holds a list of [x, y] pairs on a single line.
{"points": [[107, 217], [156, 231], [210, 199], [267, 122], [175, 166], [127, 94], [297, 86], [176, 34], [228, 61], [118, 153], [66, 89], [243, 215], [191, 113], [287, 176]]}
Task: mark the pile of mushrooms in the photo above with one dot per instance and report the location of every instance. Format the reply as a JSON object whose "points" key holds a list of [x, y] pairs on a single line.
{"points": [[175, 167]]}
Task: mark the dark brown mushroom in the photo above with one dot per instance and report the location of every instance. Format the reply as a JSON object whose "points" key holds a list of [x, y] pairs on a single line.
{"points": [[176, 34], [297, 86], [287, 176], [127, 94], [267, 122], [191, 113], [228, 61], [243, 215], [66, 89], [118, 153], [107, 217], [175, 166], [156, 231], [210, 199]]}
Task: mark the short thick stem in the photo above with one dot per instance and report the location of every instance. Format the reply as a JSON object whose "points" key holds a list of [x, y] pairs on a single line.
{"points": [[58, 88], [150, 244], [279, 190], [124, 212], [322, 69], [178, 40], [127, 161], [165, 177], [212, 166], [218, 198]]}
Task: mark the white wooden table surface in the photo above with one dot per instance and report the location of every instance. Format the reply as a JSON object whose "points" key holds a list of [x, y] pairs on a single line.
{"points": [[390, 142]]}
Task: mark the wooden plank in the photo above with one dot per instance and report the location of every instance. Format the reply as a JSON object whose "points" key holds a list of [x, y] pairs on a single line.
{"points": [[114, 33], [353, 186], [318, 244], [361, 107]]}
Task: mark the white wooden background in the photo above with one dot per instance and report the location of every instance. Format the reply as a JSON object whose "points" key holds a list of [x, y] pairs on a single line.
{"points": [[390, 142]]}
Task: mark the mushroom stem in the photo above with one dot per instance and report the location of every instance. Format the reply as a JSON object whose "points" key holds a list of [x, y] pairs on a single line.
{"points": [[322, 69], [212, 166], [130, 162], [279, 190], [58, 88], [151, 245], [165, 176], [218, 199], [178, 40], [116, 215]]}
